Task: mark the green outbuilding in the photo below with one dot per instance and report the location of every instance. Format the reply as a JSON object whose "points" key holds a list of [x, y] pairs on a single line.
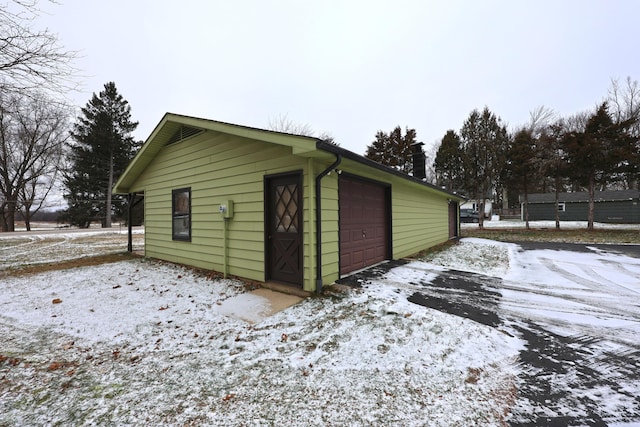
{"points": [[611, 206], [276, 207]]}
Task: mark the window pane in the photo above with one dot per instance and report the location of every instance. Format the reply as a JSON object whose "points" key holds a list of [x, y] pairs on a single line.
{"points": [[181, 202], [181, 226], [181, 215], [286, 208]]}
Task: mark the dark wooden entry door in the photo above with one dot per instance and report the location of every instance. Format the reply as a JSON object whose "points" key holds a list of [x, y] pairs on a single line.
{"points": [[284, 229], [364, 219], [453, 219]]}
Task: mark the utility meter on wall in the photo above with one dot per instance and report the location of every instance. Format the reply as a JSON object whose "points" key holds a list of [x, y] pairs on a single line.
{"points": [[226, 209]]}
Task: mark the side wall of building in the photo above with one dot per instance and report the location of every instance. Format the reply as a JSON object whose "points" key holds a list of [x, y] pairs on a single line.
{"points": [[621, 212], [218, 167]]}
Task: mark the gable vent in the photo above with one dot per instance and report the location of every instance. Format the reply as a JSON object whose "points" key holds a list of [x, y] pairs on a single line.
{"points": [[183, 133]]}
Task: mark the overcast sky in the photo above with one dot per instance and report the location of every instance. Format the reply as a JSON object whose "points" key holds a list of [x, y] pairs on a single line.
{"points": [[350, 68]]}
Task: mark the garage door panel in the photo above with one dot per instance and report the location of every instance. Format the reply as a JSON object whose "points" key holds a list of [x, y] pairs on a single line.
{"points": [[363, 224], [370, 254]]}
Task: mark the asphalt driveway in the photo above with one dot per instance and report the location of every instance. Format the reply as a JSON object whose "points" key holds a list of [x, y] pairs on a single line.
{"points": [[579, 313]]}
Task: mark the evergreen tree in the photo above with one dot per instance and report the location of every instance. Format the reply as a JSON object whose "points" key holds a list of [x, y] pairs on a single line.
{"points": [[520, 166], [448, 162], [597, 153], [551, 159], [484, 143], [393, 149], [102, 150]]}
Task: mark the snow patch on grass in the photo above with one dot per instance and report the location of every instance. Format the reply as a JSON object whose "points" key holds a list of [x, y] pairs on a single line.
{"points": [[138, 342], [481, 256]]}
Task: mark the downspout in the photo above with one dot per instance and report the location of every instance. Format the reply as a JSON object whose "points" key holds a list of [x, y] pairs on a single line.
{"points": [[130, 198], [225, 247], [319, 222]]}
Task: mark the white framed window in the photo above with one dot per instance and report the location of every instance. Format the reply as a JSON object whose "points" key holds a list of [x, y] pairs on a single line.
{"points": [[561, 207]]}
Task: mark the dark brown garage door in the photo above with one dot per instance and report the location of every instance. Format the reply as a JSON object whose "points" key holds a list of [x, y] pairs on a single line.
{"points": [[363, 224]]}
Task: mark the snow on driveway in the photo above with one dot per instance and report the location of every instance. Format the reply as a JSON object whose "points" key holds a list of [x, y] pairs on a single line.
{"points": [[577, 306]]}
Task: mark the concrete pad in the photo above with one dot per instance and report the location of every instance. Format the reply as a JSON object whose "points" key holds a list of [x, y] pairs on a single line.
{"points": [[256, 305]]}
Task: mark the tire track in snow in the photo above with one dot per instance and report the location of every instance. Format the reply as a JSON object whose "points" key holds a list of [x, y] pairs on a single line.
{"points": [[608, 301], [16, 255], [30, 241], [572, 373]]}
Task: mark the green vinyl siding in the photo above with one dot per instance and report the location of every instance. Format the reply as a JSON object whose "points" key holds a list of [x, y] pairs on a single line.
{"points": [[419, 222], [419, 216], [330, 230], [217, 168], [615, 211], [229, 162]]}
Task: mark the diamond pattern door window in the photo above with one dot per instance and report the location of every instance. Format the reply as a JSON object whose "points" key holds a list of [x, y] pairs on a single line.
{"points": [[286, 201]]}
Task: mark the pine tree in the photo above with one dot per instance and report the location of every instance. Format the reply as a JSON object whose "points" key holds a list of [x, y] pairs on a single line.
{"points": [[551, 160], [448, 161], [596, 153], [393, 149], [484, 142], [102, 150], [520, 166]]}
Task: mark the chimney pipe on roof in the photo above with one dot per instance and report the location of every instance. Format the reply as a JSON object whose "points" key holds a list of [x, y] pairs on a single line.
{"points": [[419, 159]]}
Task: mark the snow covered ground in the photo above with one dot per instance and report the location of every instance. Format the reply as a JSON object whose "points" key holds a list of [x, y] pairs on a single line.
{"points": [[141, 342], [565, 225], [579, 310], [50, 245]]}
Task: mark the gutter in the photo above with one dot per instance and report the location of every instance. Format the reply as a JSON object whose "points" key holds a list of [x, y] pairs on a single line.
{"points": [[319, 222], [336, 150]]}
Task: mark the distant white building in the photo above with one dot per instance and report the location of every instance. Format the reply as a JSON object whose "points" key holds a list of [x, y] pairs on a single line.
{"points": [[474, 204]]}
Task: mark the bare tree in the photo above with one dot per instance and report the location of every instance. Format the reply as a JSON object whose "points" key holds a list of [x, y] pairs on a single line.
{"points": [[33, 196], [33, 131], [624, 104], [30, 58], [430, 164], [282, 123], [539, 120]]}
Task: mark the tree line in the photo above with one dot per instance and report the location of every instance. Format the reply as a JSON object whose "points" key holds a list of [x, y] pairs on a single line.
{"points": [[593, 150], [42, 144], [40, 149]]}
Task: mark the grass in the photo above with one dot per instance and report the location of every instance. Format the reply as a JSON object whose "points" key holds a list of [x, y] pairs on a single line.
{"points": [[426, 253], [553, 235], [72, 263]]}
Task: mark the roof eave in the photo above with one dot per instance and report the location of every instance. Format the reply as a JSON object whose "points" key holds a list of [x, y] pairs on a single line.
{"points": [[332, 148], [300, 145]]}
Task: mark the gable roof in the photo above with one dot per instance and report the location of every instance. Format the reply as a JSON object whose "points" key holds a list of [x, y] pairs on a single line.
{"points": [[583, 196], [174, 127]]}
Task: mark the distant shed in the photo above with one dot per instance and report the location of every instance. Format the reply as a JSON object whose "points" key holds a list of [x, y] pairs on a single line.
{"points": [[610, 206]]}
